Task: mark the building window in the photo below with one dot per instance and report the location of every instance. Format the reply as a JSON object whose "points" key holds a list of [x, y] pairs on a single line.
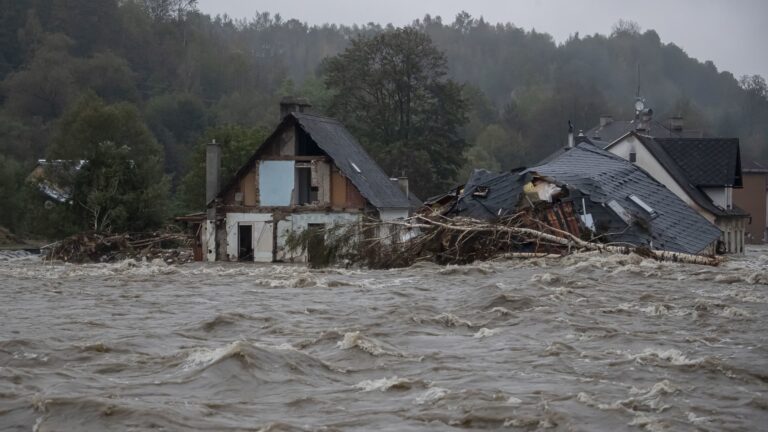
{"points": [[633, 157], [307, 194], [635, 199]]}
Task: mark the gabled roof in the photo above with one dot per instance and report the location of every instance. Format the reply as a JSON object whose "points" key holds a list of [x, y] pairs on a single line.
{"points": [[706, 162], [681, 177], [347, 154], [618, 128], [605, 177], [353, 161]]}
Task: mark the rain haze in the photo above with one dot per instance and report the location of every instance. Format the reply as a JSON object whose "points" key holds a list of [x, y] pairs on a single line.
{"points": [[731, 34], [390, 215]]}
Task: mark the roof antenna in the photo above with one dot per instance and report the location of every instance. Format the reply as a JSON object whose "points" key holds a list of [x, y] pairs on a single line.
{"points": [[639, 101]]}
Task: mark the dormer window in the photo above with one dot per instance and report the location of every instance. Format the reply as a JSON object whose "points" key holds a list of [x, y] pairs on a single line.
{"points": [[648, 209]]}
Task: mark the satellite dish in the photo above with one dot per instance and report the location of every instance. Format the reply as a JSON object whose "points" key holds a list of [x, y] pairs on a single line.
{"points": [[639, 105]]}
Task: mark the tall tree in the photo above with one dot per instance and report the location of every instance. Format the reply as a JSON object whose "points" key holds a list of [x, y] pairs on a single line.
{"points": [[237, 145], [121, 186], [392, 90]]}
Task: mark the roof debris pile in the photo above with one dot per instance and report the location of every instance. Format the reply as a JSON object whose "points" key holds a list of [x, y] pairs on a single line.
{"points": [[169, 245], [580, 199]]}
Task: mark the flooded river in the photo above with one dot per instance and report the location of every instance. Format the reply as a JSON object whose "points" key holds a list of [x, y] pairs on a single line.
{"points": [[583, 343]]}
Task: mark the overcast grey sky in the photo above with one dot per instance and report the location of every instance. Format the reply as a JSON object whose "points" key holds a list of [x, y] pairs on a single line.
{"points": [[733, 34]]}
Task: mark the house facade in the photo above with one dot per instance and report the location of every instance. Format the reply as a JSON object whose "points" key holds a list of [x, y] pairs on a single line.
{"points": [[311, 173], [703, 172], [753, 199]]}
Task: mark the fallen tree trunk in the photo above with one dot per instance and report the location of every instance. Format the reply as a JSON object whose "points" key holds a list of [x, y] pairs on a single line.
{"points": [[551, 238]]}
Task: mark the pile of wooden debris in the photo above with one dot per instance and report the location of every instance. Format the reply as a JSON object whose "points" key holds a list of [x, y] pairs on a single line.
{"points": [[170, 245], [461, 240]]}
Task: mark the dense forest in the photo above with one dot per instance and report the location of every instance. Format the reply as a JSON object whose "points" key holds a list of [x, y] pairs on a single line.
{"points": [[143, 84]]}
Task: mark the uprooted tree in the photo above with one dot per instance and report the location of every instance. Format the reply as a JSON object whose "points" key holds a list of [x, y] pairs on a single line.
{"points": [[460, 240]]}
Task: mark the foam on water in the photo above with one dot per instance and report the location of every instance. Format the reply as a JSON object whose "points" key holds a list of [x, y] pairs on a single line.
{"points": [[384, 384], [484, 333], [596, 341], [431, 396], [369, 345]]}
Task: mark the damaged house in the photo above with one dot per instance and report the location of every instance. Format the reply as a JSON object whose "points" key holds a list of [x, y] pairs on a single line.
{"points": [[50, 176], [311, 173], [590, 193], [703, 172]]}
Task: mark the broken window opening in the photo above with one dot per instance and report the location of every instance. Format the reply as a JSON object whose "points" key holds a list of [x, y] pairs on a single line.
{"points": [[307, 194], [481, 191], [306, 146]]}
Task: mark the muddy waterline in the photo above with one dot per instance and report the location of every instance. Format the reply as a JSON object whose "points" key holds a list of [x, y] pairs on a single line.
{"points": [[590, 342]]}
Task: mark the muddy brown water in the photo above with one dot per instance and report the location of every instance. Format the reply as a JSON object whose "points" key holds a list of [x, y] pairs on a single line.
{"points": [[582, 343]]}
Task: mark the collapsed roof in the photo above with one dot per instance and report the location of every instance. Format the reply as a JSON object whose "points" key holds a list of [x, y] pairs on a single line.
{"points": [[626, 204]]}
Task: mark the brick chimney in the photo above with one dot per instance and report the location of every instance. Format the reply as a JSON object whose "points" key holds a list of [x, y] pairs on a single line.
{"points": [[291, 104]]}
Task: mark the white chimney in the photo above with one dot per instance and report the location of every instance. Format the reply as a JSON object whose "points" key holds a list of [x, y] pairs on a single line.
{"points": [[212, 170], [403, 183]]}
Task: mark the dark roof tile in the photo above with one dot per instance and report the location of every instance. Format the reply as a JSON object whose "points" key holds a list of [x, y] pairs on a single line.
{"points": [[706, 161], [350, 157], [604, 177]]}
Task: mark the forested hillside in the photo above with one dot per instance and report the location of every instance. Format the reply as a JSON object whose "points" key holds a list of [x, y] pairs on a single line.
{"points": [[160, 78]]}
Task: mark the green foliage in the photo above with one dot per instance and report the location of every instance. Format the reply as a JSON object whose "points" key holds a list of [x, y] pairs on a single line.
{"points": [[46, 84], [74, 74], [90, 122], [334, 244], [237, 145], [392, 91], [121, 186], [486, 152], [177, 120], [113, 192], [13, 195]]}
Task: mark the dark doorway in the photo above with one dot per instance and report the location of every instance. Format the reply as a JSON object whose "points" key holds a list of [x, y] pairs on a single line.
{"points": [[245, 242], [316, 252]]}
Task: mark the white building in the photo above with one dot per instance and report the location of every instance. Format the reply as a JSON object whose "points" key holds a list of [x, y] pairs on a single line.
{"points": [[701, 171]]}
